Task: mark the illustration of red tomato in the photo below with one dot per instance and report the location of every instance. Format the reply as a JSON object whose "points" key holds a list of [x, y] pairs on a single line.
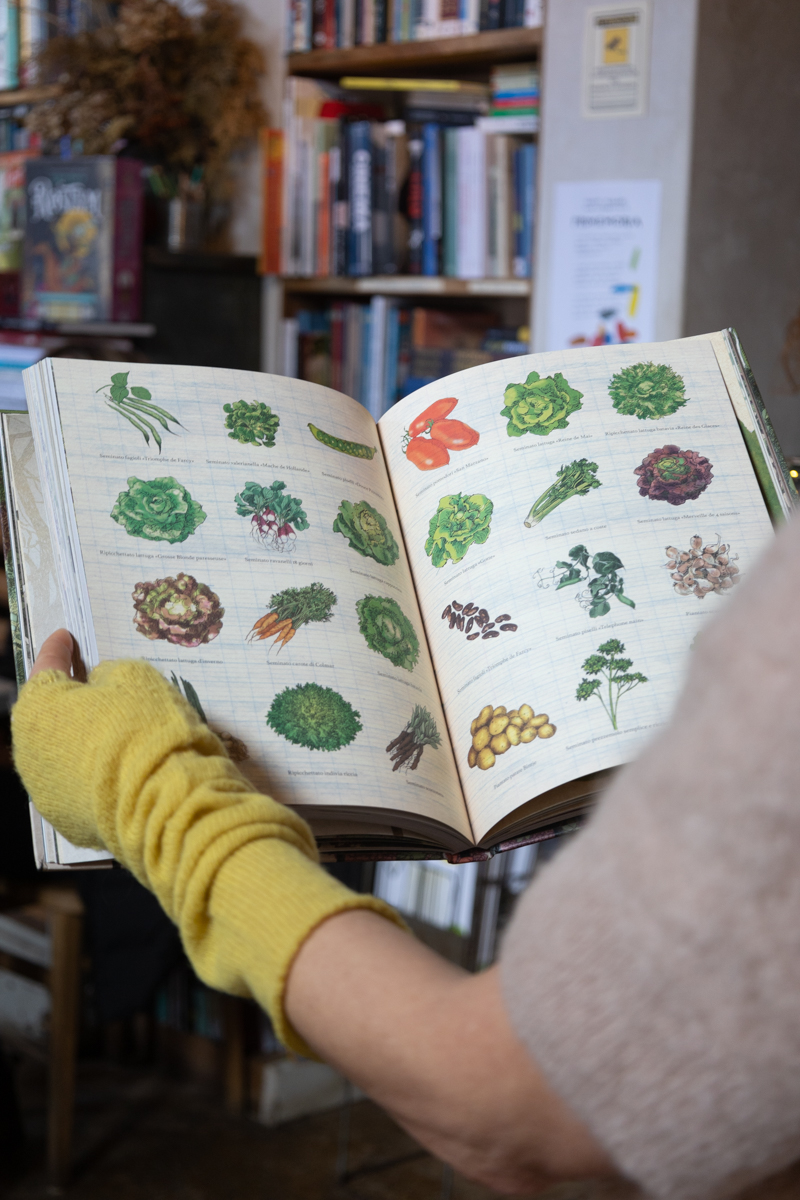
{"points": [[455, 435], [426, 454], [434, 412]]}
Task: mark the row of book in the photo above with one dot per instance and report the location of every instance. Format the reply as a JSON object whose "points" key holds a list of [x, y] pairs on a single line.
{"points": [[340, 24], [25, 26], [346, 195], [380, 351]]}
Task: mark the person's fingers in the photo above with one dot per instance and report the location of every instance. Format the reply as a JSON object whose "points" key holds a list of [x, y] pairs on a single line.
{"points": [[56, 653]]}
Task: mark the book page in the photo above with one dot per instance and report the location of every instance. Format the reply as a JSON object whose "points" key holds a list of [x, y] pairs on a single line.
{"points": [[576, 595], [193, 552]]}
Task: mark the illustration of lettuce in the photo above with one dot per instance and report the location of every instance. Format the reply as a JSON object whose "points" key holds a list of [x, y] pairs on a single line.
{"points": [[178, 610], [160, 510], [315, 717], [387, 630], [647, 389], [457, 523], [539, 405], [673, 475], [367, 532], [255, 424]]}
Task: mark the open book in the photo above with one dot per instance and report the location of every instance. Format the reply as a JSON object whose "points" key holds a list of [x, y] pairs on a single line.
{"points": [[434, 635]]}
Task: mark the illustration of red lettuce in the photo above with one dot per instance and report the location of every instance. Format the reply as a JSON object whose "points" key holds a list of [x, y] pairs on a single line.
{"points": [[673, 475]]}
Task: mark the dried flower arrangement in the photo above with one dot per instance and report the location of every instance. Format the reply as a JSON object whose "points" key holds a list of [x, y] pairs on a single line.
{"points": [[182, 89]]}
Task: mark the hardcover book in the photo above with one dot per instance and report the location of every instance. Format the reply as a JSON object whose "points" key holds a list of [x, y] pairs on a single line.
{"points": [[83, 239], [434, 636]]}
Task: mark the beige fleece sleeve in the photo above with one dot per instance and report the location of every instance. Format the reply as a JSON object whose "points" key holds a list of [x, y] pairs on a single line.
{"points": [[653, 969]]}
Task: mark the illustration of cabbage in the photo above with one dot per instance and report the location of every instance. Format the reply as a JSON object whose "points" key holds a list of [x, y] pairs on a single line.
{"points": [[177, 609], [387, 630], [254, 424], [160, 510], [457, 523], [647, 389], [539, 405], [673, 475], [314, 716], [367, 532]]}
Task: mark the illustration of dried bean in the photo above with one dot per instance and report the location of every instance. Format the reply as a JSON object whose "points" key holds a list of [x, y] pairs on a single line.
{"points": [[509, 628], [453, 619], [458, 607], [491, 625], [502, 617], [490, 633], [470, 609], [471, 637], [470, 623], [460, 622], [446, 613], [482, 617]]}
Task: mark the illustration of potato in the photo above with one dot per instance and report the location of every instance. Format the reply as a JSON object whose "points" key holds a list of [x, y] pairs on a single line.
{"points": [[496, 729]]}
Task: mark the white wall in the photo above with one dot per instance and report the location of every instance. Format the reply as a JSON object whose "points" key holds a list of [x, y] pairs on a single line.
{"points": [[266, 22], [654, 146]]}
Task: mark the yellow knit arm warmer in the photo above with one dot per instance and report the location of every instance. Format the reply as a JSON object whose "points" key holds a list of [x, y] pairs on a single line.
{"points": [[123, 762]]}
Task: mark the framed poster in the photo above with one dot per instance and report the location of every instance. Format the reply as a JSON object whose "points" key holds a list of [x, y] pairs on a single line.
{"points": [[616, 60]]}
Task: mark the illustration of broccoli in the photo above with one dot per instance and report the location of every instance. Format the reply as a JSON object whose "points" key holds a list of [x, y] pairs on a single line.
{"points": [[647, 390], [616, 680], [315, 717]]}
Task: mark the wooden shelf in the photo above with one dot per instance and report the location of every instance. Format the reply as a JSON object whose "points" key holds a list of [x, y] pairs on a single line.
{"points": [[32, 95], [408, 285], [442, 56]]}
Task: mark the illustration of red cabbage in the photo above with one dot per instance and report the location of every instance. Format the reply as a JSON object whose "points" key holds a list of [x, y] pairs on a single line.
{"points": [[673, 475]]}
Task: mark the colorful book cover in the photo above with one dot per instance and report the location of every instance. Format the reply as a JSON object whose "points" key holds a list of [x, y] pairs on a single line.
{"points": [[12, 208], [82, 244]]}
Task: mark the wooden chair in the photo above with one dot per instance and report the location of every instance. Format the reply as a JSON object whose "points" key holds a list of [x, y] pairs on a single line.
{"points": [[42, 943]]}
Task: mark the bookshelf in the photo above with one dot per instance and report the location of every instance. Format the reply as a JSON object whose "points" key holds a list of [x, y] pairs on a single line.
{"points": [[469, 58]]}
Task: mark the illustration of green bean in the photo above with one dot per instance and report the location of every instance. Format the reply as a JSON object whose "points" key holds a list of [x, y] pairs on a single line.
{"points": [[355, 449], [135, 404]]}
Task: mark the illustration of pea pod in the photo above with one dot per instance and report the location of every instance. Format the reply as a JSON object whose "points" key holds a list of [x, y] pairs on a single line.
{"points": [[355, 449]]}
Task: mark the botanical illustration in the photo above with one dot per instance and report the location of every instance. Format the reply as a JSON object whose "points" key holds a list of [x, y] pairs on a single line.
{"points": [[367, 532], [235, 747], [160, 510], [702, 568], [615, 678], [496, 730], [253, 424], [314, 716], [387, 630], [576, 479], [177, 609], [539, 405], [431, 436], [673, 475], [354, 449], [458, 522], [135, 404], [276, 518], [420, 731], [600, 572], [289, 610], [647, 390], [475, 622]]}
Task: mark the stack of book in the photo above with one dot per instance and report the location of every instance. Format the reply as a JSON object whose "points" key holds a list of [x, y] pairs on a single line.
{"points": [[355, 189], [339, 24], [515, 98], [380, 351]]}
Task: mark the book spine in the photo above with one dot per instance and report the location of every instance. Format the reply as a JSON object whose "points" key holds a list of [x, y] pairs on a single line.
{"points": [[12, 44], [323, 213], [414, 202], [318, 35], [381, 252], [450, 203], [347, 17], [337, 345], [308, 194], [504, 207], [391, 355], [290, 347], [533, 14], [381, 19], [518, 260], [492, 196], [272, 219], [341, 212], [330, 23], [431, 199], [378, 313], [472, 197], [365, 346], [530, 152], [390, 263], [126, 302], [360, 172], [368, 23]]}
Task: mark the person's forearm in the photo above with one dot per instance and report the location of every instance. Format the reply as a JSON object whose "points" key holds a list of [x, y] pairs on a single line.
{"points": [[433, 1045]]}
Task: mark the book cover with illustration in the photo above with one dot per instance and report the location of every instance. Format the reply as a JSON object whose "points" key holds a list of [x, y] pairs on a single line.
{"points": [[82, 244], [435, 635]]}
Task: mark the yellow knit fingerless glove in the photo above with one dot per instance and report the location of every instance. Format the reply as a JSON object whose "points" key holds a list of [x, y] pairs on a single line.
{"points": [[123, 762]]}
